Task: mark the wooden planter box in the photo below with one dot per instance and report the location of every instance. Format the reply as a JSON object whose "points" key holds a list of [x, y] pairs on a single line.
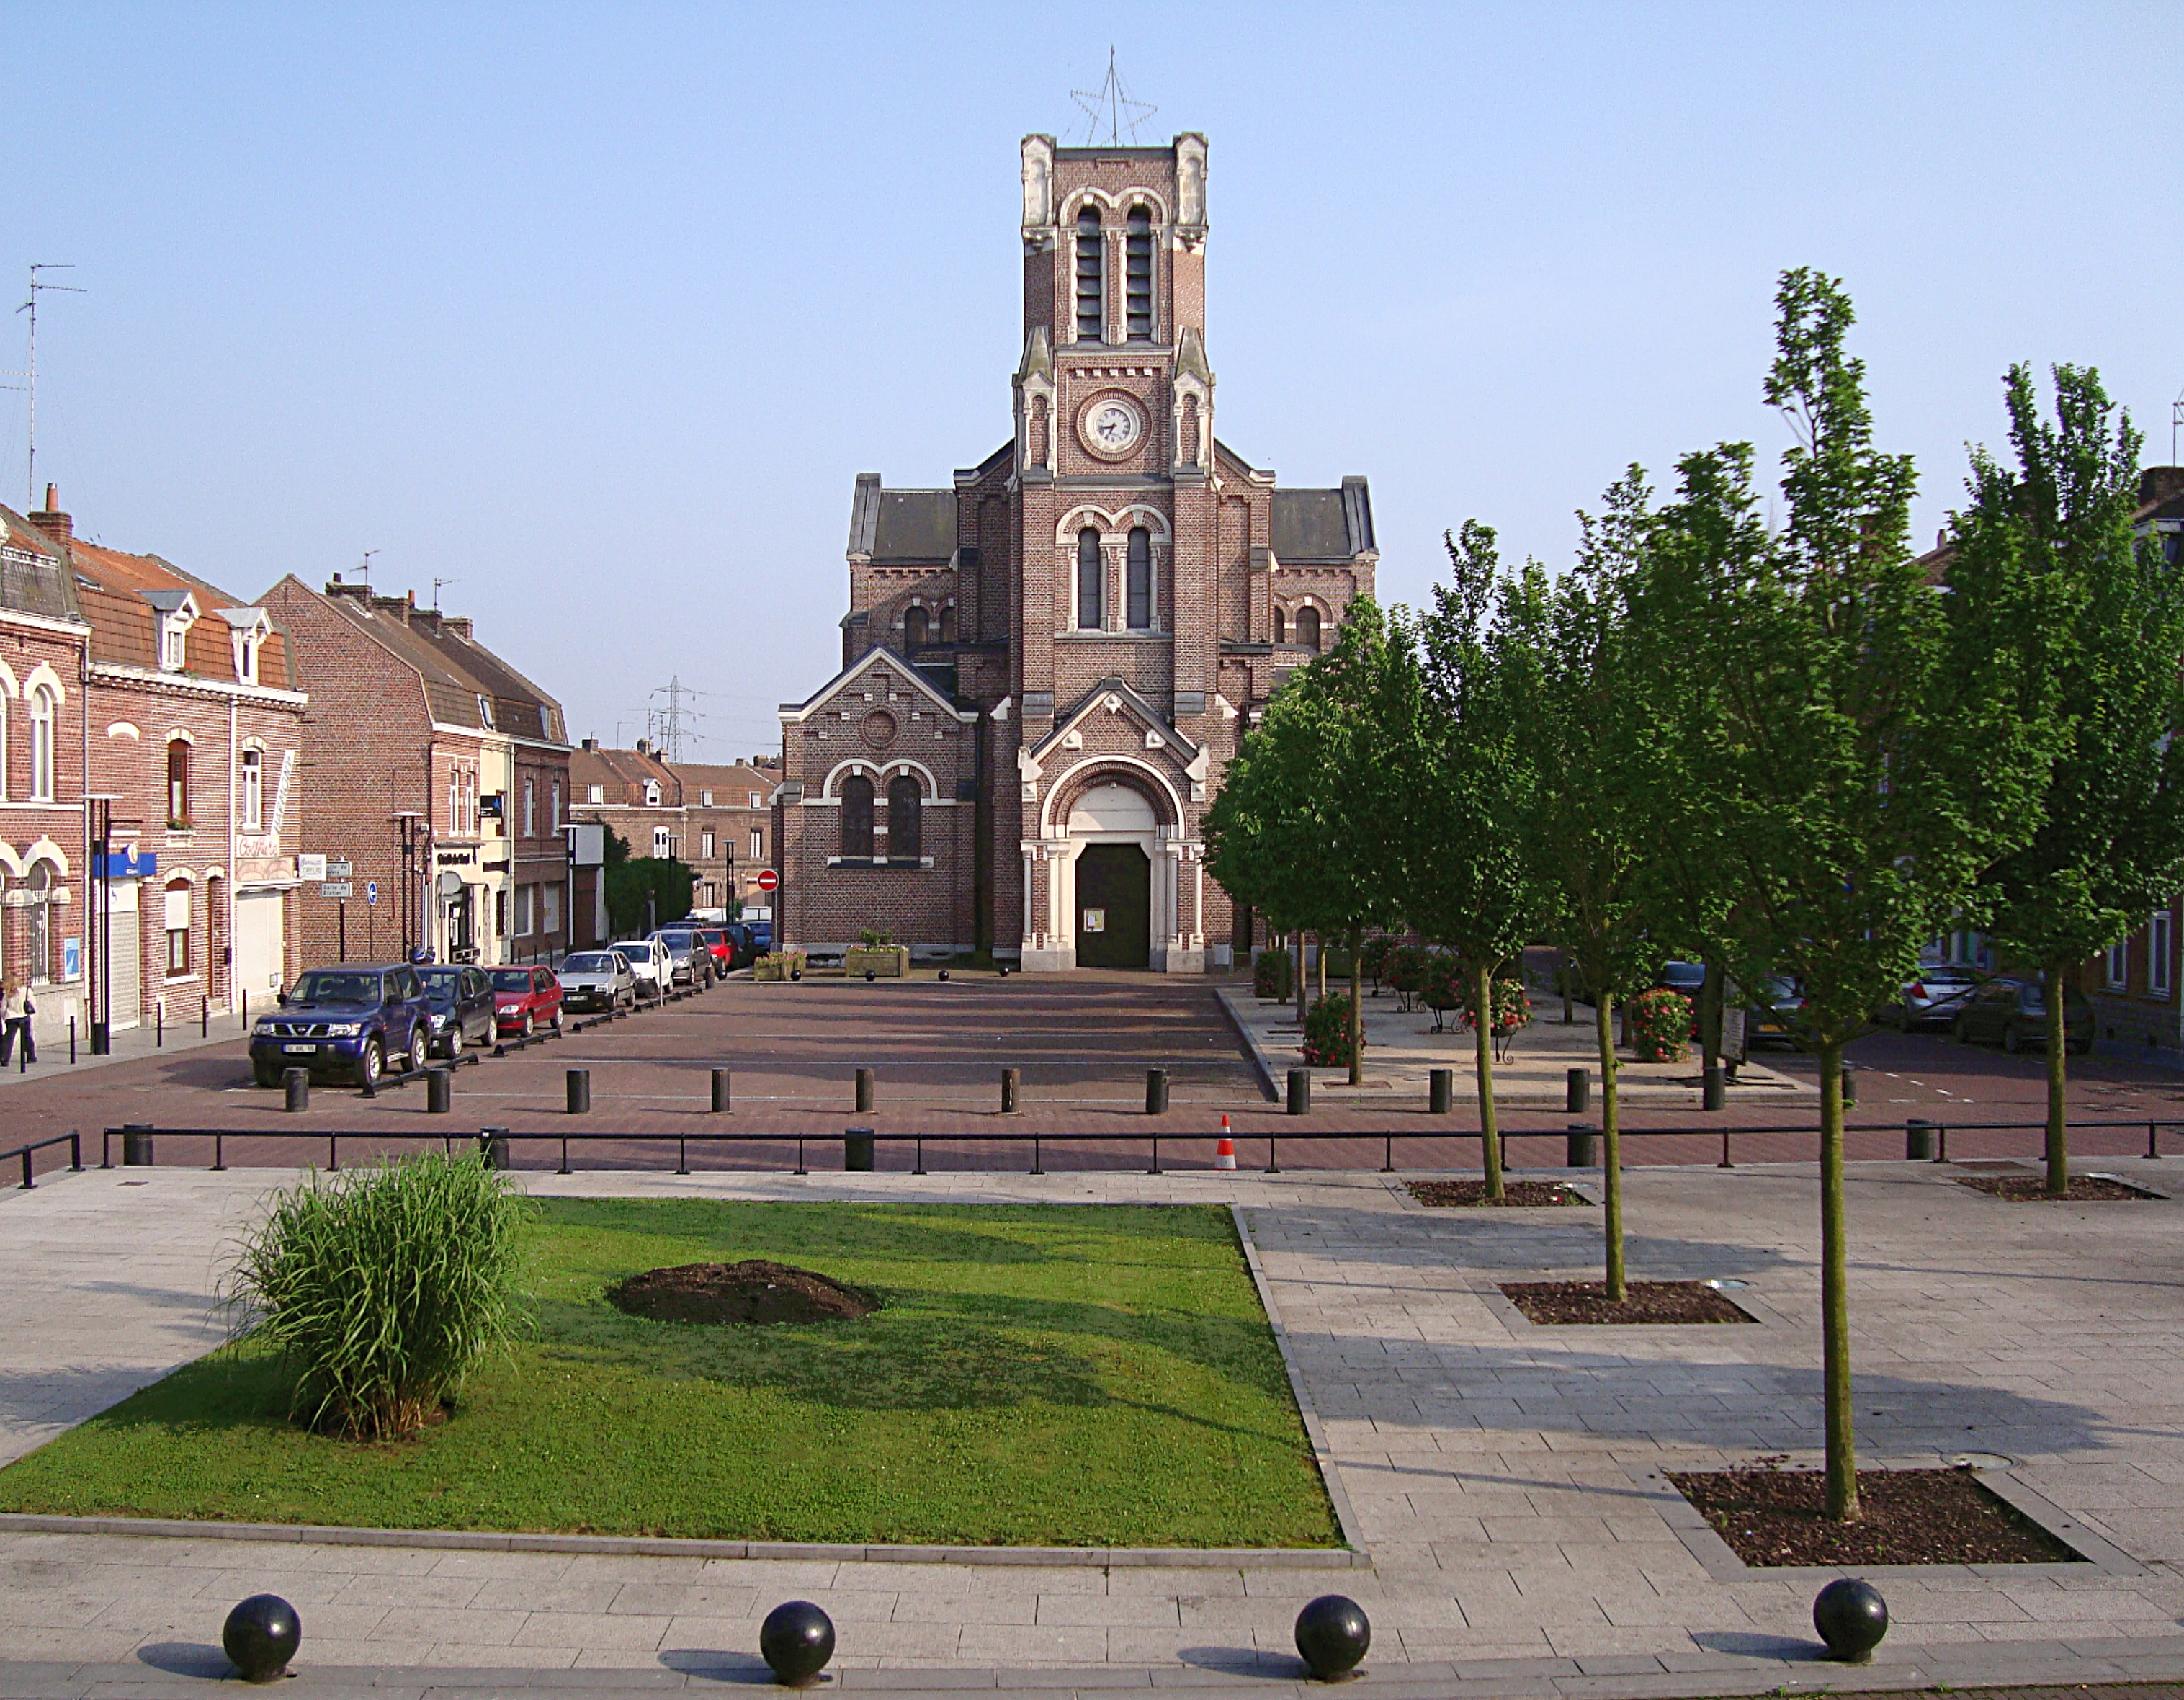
{"points": [[888, 961], [777, 966]]}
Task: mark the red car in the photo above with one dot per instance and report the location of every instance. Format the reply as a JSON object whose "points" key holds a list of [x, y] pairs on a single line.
{"points": [[722, 947], [525, 999]]}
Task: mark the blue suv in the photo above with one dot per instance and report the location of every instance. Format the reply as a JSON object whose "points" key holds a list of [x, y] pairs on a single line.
{"points": [[349, 1020]]}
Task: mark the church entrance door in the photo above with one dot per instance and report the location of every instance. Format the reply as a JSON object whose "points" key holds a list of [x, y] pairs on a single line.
{"points": [[1114, 907]]}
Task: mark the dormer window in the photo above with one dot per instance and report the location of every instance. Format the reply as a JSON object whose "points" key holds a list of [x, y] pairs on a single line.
{"points": [[485, 711], [246, 659], [652, 794], [247, 631], [174, 643]]}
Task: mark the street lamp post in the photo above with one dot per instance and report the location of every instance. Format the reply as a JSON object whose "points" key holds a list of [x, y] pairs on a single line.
{"points": [[409, 824], [102, 923]]}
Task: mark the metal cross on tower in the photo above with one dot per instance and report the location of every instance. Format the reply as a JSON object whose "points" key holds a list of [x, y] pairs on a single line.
{"points": [[1110, 104]]}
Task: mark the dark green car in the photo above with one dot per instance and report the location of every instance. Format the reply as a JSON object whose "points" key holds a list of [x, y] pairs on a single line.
{"points": [[2012, 1013]]}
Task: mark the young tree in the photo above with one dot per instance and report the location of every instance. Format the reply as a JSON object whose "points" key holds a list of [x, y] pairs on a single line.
{"points": [[1867, 783], [2047, 583], [1463, 876], [1568, 650]]}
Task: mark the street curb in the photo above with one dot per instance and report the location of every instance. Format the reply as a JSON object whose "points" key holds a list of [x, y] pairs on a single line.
{"points": [[1259, 1060]]}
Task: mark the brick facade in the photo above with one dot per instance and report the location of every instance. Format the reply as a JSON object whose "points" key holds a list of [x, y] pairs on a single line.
{"points": [[1078, 629], [716, 818]]}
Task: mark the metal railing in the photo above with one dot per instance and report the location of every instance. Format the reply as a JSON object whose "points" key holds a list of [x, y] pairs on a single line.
{"points": [[71, 1138], [1039, 1140]]}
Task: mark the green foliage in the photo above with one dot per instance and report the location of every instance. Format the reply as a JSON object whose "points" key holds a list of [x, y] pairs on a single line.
{"points": [[1660, 1022], [1375, 957], [1327, 1036], [1270, 974], [1409, 965], [380, 1287], [1041, 1375], [1440, 985], [875, 938], [644, 892], [1512, 1007]]}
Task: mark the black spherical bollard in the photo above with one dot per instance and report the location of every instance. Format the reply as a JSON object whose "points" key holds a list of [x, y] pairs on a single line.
{"points": [[1333, 1634], [796, 1641], [1004, 970], [261, 1635], [871, 974], [1851, 1618], [944, 974]]}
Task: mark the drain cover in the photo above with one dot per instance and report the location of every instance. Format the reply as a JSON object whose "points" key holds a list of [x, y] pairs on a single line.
{"points": [[1979, 1460], [1720, 1284]]}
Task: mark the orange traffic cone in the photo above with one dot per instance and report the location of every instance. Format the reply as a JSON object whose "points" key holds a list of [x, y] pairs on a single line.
{"points": [[1224, 1154]]}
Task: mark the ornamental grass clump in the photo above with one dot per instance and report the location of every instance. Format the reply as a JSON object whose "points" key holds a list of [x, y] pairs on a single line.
{"points": [[381, 1287]]}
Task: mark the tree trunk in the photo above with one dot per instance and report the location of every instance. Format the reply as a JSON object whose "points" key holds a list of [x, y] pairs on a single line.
{"points": [[1562, 956], [1320, 964], [2059, 1047], [1611, 1145], [1490, 1137], [1356, 1010], [1297, 963], [1835, 1294]]}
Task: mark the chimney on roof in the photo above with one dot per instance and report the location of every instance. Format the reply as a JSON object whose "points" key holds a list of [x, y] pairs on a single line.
{"points": [[2155, 484], [643, 746], [460, 624], [591, 743], [51, 521], [355, 593], [394, 607]]}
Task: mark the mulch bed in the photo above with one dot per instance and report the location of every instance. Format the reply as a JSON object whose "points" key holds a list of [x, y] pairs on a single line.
{"points": [[2032, 1189], [1564, 1301], [1908, 1517], [1465, 1193], [754, 1292]]}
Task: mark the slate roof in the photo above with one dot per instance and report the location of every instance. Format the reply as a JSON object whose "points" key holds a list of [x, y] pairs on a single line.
{"points": [[901, 524], [1323, 525], [34, 574]]}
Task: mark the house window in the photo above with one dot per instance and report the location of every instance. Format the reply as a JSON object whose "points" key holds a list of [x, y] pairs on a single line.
{"points": [[2158, 978], [652, 794], [1091, 276], [549, 908], [556, 801], [754, 800], [485, 711], [705, 800], [1308, 627], [758, 845], [174, 643], [1281, 627], [598, 794], [246, 660], [254, 790], [178, 784], [38, 918], [1088, 580], [523, 901], [916, 629], [530, 807], [663, 843], [41, 744], [501, 912], [1139, 607], [178, 926], [705, 845], [1138, 274], [902, 817], [857, 816], [2118, 965]]}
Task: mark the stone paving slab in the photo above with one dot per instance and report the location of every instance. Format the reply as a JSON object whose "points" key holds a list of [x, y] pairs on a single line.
{"points": [[1490, 1466]]}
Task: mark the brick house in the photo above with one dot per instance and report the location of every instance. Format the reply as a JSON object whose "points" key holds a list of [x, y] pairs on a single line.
{"points": [[1047, 666], [453, 779], [44, 652], [728, 807]]}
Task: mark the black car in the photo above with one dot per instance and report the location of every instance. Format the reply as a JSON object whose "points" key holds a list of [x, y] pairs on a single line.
{"points": [[350, 1019], [1774, 1016], [2012, 1012], [463, 1005]]}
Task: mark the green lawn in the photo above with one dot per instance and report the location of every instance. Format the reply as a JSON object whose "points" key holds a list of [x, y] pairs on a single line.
{"points": [[1064, 1375]]}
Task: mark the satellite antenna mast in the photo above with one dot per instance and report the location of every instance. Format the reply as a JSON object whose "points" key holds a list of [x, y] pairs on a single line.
{"points": [[436, 583], [30, 373], [2176, 420], [364, 567], [1110, 104]]}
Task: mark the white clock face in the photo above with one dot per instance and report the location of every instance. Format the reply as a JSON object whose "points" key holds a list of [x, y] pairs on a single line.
{"points": [[1113, 426]]}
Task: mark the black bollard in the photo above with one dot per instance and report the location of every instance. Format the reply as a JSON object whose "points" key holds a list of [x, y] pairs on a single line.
{"points": [[866, 1078], [1581, 1147], [1918, 1141], [439, 1090], [719, 1091], [1849, 1087], [1156, 1091], [1300, 1092], [580, 1091], [870, 975], [857, 1151], [944, 975], [1852, 1618], [261, 1635], [136, 1144], [1012, 1084], [796, 1641], [1333, 1635], [493, 1147], [1713, 1093], [1577, 1092], [1004, 968], [297, 1085], [1440, 1091]]}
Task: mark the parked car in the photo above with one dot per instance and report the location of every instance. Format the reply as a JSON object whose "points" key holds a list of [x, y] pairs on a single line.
{"points": [[761, 934], [689, 962], [462, 1007], [648, 962], [717, 940], [1772, 1016], [1687, 980], [349, 1019], [1933, 999], [596, 979], [745, 937], [2012, 1013], [525, 1000]]}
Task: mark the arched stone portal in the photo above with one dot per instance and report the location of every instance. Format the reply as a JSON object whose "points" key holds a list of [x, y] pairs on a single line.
{"points": [[1113, 832]]}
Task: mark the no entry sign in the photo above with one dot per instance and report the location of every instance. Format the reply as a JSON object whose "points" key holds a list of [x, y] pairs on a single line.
{"points": [[768, 880]]}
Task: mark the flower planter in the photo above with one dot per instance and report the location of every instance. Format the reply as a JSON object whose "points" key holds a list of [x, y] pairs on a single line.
{"points": [[888, 962]]}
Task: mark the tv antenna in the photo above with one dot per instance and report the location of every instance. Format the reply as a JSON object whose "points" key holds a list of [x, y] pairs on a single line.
{"points": [[2176, 420], [364, 567], [436, 583], [30, 373], [1110, 104], [667, 723]]}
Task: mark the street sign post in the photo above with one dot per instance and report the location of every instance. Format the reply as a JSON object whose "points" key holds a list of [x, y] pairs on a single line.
{"points": [[338, 869], [768, 880], [338, 889]]}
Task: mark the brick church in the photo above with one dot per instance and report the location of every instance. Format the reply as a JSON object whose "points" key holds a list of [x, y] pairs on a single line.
{"points": [[1047, 666]]}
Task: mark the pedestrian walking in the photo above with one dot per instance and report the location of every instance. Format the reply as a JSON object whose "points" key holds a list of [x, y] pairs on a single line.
{"points": [[16, 1009]]}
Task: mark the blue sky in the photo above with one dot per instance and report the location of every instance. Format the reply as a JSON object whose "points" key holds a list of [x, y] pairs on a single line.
{"points": [[598, 311]]}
